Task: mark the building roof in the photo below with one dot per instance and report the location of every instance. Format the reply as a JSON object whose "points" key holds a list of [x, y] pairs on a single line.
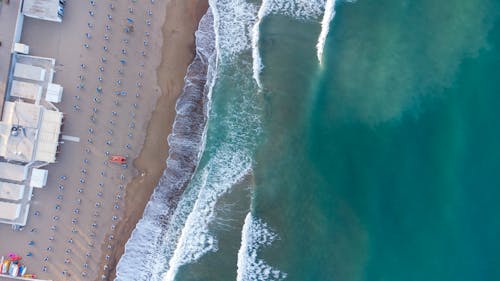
{"points": [[33, 134], [8, 33], [31, 74], [54, 93], [12, 172], [25, 117], [42, 9], [28, 71], [26, 90], [48, 136], [22, 114], [11, 191], [9, 211], [38, 178]]}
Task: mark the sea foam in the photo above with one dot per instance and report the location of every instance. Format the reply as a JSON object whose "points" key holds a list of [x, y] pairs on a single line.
{"points": [[257, 60], [233, 22], [299, 9], [325, 28], [255, 235], [195, 240]]}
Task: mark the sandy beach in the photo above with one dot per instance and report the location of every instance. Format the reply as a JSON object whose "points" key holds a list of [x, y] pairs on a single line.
{"points": [[119, 99]]}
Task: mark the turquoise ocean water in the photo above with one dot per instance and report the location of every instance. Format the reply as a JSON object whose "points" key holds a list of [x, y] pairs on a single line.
{"points": [[381, 163]]}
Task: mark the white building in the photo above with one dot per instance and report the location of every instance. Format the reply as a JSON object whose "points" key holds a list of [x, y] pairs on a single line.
{"points": [[51, 10]]}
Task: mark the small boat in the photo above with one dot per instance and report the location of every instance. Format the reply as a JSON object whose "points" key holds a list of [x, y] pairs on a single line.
{"points": [[22, 270], [5, 266], [118, 159], [13, 270]]}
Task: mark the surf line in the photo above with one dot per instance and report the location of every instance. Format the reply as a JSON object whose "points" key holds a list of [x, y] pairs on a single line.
{"points": [[256, 58], [325, 29]]}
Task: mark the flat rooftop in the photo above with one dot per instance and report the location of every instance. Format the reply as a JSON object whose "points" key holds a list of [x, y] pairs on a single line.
{"points": [[42, 9], [8, 18], [11, 191], [33, 134], [12, 172], [36, 71], [26, 117]]}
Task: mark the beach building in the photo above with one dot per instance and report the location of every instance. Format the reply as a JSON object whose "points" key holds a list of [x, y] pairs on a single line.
{"points": [[51, 10], [12, 15], [29, 133], [15, 193], [13, 172], [11, 21], [25, 90], [30, 123], [30, 128], [16, 188]]}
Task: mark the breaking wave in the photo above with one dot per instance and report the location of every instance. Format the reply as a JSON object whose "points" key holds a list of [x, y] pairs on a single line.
{"points": [[257, 60], [325, 28], [235, 18], [298, 9], [226, 169], [255, 235]]}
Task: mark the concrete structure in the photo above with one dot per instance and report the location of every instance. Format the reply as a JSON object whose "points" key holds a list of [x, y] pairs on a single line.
{"points": [[18, 143], [10, 211], [13, 172], [33, 135], [39, 178], [29, 72], [30, 124], [11, 21], [15, 195], [31, 69], [26, 90], [14, 202], [11, 191], [54, 93], [50, 10], [48, 136], [21, 48]]}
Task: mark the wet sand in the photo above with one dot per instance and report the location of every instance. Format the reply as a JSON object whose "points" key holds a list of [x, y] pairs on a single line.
{"points": [[90, 206]]}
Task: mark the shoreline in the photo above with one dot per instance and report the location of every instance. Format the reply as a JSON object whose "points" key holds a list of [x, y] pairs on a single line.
{"points": [[177, 52]]}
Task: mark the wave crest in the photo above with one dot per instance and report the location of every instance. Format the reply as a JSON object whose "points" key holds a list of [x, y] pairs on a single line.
{"points": [[255, 235]]}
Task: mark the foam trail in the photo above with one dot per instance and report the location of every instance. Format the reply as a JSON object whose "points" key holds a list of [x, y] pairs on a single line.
{"points": [[225, 170], [254, 235], [325, 28], [257, 60]]}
